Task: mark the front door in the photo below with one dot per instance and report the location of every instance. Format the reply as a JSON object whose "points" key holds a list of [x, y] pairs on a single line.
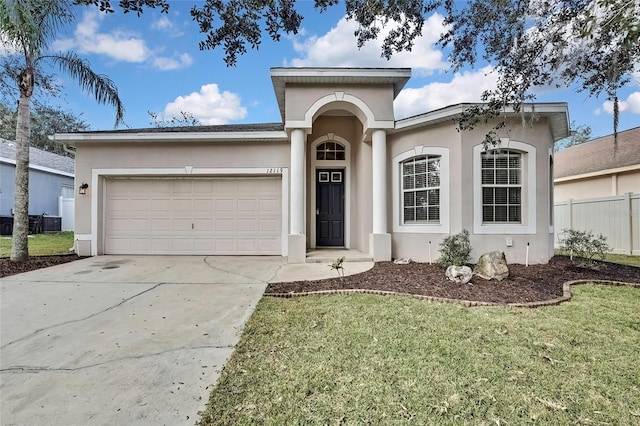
{"points": [[330, 208]]}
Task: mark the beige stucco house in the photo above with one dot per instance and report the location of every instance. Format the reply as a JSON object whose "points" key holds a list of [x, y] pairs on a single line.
{"points": [[599, 168], [339, 171]]}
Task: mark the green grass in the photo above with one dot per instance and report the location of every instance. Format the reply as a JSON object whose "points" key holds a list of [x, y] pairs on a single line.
{"points": [[364, 359], [41, 244], [623, 259]]}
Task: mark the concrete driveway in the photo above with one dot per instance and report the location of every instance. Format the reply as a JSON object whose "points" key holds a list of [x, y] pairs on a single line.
{"points": [[123, 340]]}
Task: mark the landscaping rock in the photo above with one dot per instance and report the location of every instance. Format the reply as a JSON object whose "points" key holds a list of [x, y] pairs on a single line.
{"points": [[459, 274], [492, 265]]}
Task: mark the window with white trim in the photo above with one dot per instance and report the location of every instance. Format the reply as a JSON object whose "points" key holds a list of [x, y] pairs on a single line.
{"points": [[330, 150], [421, 189], [501, 186]]}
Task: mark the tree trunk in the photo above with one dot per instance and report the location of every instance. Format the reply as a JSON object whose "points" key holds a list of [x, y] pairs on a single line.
{"points": [[20, 249]]}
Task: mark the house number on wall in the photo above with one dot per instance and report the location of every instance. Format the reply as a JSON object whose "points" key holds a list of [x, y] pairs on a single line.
{"points": [[277, 170]]}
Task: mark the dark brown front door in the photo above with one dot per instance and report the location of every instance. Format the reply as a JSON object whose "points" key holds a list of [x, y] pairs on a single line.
{"points": [[330, 207]]}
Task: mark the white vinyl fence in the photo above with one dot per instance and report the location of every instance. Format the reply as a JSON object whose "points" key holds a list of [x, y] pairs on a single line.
{"points": [[66, 210], [617, 218]]}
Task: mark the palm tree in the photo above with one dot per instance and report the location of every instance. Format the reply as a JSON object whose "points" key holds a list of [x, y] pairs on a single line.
{"points": [[29, 26]]}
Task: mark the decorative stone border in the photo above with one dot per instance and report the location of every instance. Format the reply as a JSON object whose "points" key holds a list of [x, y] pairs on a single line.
{"points": [[566, 295]]}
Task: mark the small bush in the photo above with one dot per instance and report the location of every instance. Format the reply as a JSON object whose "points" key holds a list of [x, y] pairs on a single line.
{"points": [[584, 245], [455, 250], [337, 265]]}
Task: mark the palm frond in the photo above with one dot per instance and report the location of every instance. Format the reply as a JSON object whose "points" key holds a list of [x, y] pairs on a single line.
{"points": [[102, 88], [30, 25]]}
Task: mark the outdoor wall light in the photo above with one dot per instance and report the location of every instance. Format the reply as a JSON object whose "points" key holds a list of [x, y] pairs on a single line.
{"points": [[83, 188]]}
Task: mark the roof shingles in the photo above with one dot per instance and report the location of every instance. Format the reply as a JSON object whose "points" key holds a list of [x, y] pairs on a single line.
{"points": [[38, 157], [599, 155]]}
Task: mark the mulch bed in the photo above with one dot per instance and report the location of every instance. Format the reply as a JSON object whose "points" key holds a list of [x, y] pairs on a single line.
{"points": [[535, 283], [8, 267]]}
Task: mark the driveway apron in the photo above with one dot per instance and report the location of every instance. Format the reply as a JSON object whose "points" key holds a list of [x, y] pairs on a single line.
{"points": [[122, 340]]}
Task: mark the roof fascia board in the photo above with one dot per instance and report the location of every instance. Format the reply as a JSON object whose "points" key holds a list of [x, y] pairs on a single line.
{"points": [[168, 136], [452, 111]]}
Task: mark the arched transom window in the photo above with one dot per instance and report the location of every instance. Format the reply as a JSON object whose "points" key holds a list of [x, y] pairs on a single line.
{"points": [[330, 151]]}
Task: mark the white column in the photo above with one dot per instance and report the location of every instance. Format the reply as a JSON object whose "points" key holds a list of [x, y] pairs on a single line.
{"points": [[379, 171], [297, 182]]}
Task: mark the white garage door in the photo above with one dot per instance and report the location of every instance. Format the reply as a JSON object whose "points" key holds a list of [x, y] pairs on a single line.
{"points": [[215, 216]]}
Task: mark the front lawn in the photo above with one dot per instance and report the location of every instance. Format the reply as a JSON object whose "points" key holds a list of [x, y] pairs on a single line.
{"points": [[365, 359], [41, 244]]}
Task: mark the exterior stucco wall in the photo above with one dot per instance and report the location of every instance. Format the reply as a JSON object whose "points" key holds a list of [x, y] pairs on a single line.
{"points": [[598, 186], [138, 155], [44, 190], [300, 98], [462, 193], [415, 245], [540, 249], [628, 182]]}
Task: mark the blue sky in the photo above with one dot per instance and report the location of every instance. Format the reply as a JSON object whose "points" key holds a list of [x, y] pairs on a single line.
{"points": [[155, 61]]}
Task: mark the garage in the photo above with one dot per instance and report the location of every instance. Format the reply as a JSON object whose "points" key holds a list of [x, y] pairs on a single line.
{"points": [[193, 216]]}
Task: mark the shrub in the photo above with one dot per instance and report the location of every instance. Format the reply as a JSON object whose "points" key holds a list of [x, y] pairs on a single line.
{"points": [[455, 250], [337, 265], [584, 245]]}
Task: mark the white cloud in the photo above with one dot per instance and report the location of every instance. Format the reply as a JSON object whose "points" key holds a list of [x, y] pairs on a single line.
{"points": [[167, 26], [164, 63], [632, 104], [118, 45], [338, 48], [209, 106], [7, 48], [464, 87]]}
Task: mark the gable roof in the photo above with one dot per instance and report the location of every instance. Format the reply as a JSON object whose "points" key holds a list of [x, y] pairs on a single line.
{"points": [[599, 155], [281, 76], [38, 159]]}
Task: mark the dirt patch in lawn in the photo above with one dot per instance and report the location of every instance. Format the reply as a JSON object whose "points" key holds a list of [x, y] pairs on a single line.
{"points": [[8, 267], [534, 283]]}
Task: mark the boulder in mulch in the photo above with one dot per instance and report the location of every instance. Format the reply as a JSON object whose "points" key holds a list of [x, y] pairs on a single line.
{"points": [[492, 265], [459, 274]]}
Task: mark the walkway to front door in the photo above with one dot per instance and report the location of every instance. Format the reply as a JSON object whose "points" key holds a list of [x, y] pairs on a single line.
{"points": [[330, 207]]}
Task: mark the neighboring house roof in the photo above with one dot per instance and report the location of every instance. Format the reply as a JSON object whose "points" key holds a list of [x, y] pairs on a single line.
{"points": [[38, 159], [599, 155]]}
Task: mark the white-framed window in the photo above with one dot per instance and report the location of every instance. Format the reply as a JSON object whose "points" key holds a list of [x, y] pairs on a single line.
{"points": [[330, 150], [501, 186], [504, 189], [421, 189], [420, 179]]}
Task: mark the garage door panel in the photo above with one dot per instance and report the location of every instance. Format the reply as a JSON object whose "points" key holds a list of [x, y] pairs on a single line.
{"points": [[272, 225], [226, 205], [203, 205], [203, 225], [160, 245], [182, 186], [222, 216], [245, 205], [139, 225], [181, 225], [272, 206]]}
